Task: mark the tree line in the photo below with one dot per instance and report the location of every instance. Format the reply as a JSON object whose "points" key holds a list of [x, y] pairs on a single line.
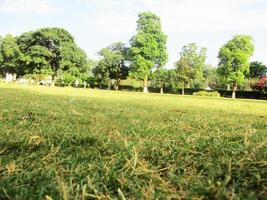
{"points": [[53, 51]]}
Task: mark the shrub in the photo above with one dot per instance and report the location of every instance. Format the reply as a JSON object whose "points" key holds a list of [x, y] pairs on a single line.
{"points": [[207, 94], [262, 84]]}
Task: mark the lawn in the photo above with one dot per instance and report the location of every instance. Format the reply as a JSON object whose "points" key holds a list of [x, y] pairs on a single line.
{"points": [[66, 143]]}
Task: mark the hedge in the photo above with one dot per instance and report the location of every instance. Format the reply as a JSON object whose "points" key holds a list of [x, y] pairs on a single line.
{"points": [[189, 91], [244, 94], [207, 93]]}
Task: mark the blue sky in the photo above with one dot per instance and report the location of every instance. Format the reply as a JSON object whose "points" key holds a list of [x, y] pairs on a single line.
{"points": [[97, 23]]}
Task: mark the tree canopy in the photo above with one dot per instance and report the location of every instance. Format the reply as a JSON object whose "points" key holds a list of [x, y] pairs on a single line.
{"points": [[234, 60], [148, 47], [52, 51], [211, 77], [256, 69], [9, 55], [113, 63], [1, 55], [189, 67], [160, 78]]}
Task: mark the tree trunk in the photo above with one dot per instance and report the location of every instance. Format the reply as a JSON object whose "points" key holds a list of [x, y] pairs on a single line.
{"points": [[117, 85], [7, 77], [234, 90], [109, 84], [53, 81], [161, 90], [182, 90], [145, 86], [14, 76], [228, 87]]}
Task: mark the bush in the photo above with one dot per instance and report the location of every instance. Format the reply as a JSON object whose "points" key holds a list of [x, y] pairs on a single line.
{"points": [[262, 84], [207, 94], [256, 94]]}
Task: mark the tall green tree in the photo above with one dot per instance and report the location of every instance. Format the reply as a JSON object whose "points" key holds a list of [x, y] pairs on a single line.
{"points": [[234, 60], [114, 62], [189, 67], [256, 69], [148, 47], [51, 51], [10, 55]]}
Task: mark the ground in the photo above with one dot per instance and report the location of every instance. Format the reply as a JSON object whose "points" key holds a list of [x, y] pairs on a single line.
{"points": [[67, 143]]}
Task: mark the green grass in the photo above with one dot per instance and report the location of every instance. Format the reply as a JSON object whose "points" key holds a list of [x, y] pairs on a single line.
{"points": [[65, 143]]}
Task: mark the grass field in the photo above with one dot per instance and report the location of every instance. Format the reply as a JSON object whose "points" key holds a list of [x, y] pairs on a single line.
{"points": [[66, 143]]}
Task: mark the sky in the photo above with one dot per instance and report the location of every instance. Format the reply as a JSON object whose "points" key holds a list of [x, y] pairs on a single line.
{"points": [[96, 24]]}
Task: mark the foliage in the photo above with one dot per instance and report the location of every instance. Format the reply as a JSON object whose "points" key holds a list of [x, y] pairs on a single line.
{"points": [[256, 69], [207, 94], [249, 84], [160, 77], [148, 47], [189, 67], [113, 63], [262, 84], [10, 55], [132, 82], [101, 74], [165, 78], [211, 77], [50, 51], [172, 79], [65, 143], [234, 59], [69, 76], [1, 55]]}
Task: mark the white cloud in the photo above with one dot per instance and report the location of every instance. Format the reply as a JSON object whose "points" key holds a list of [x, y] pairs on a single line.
{"points": [[183, 15], [209, 23], [211, 15], [27, 6]]}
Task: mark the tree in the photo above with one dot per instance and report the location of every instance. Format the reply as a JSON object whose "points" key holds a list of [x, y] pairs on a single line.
{"points": [[234, 60], [74, 65], [256, 69], [101, 74], [51, 51], [172, 79], [160, 78], [211, 77], [189, 67], [148, 47], [114, 62], [10, 55]]}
